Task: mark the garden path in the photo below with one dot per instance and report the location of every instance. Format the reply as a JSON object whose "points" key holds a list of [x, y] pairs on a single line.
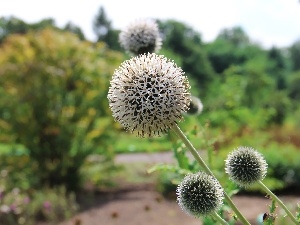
{"points": [[142, 205]]}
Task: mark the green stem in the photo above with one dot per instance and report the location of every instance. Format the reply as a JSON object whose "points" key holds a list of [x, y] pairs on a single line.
{"points": [[194, 152], [219, 218], [274, 197]]}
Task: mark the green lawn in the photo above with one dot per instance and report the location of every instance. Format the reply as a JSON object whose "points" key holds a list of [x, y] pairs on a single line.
{"points": [[130, 143]]}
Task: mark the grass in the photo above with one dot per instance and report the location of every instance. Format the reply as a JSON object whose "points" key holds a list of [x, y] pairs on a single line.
{"points": [[135, 173], [129, 143], [118, 176]]}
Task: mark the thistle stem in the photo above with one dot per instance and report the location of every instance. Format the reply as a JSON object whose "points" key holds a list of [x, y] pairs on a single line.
{"points": [[219, 218], [275, 198], [206, 169]]}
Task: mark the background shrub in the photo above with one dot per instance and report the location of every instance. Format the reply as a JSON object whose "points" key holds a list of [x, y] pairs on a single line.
{"points": [[53, 101]]}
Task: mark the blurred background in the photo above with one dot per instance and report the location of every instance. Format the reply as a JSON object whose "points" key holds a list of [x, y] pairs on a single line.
{"points": [[63, 159]]}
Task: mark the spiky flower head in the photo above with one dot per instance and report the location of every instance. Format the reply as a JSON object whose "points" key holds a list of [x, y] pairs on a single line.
{"points": [[195, 107], [148, 94], [245, 166], [141, 36], [199, 194]]}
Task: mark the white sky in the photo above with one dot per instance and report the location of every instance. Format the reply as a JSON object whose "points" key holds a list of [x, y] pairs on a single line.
{"points": [[269, 22]]}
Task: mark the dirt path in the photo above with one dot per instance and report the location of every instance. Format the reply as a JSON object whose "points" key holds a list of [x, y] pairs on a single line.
{"points": [[147, 207], [142, 205], [149, 158]]}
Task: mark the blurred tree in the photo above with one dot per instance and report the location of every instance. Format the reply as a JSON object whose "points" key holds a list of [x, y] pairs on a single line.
{"points": [[243, 94], [187, 43], [10, 25], [242, 85], [53, 101], [231, 47], [103, 29], [293, 87], [101, 24], [235, 36], [13, 25], [74, 29], [294, 52], [276, 55], [44, 23], [278, 67]]}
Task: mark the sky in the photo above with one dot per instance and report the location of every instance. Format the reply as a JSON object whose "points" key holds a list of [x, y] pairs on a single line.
{"points": [[267, 22]]}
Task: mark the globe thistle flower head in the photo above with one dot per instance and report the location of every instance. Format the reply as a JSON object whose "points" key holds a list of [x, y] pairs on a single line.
{"points": [[199, 194], [141, 36], [195, 107], [245, 166], [148, 94]]}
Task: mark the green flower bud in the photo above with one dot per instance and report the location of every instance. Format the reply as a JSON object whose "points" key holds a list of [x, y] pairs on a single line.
{"points": [[245, 166], [199, 194]]}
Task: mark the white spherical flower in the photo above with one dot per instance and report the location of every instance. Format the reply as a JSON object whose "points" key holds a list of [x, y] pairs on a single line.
{"points": [[141, 36], [199, 194], [148, 94], [245, 166]]}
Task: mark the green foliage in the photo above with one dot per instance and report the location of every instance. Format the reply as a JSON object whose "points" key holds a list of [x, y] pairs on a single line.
{"points": [[293, 84], [97, 171], [74, 29], [53, 101], [282, 158], [18, 170], [186, 43], [277, 217], [167, 182], [12, 25], [242, 98], [294, 54], [128, 143], [231, 47], [283, 161], [269, 218]]}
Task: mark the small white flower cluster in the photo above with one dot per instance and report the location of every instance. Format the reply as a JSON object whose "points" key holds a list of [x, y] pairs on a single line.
{"points": [[141, 36], [148, 94], [245, 166], [199, 194]]}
